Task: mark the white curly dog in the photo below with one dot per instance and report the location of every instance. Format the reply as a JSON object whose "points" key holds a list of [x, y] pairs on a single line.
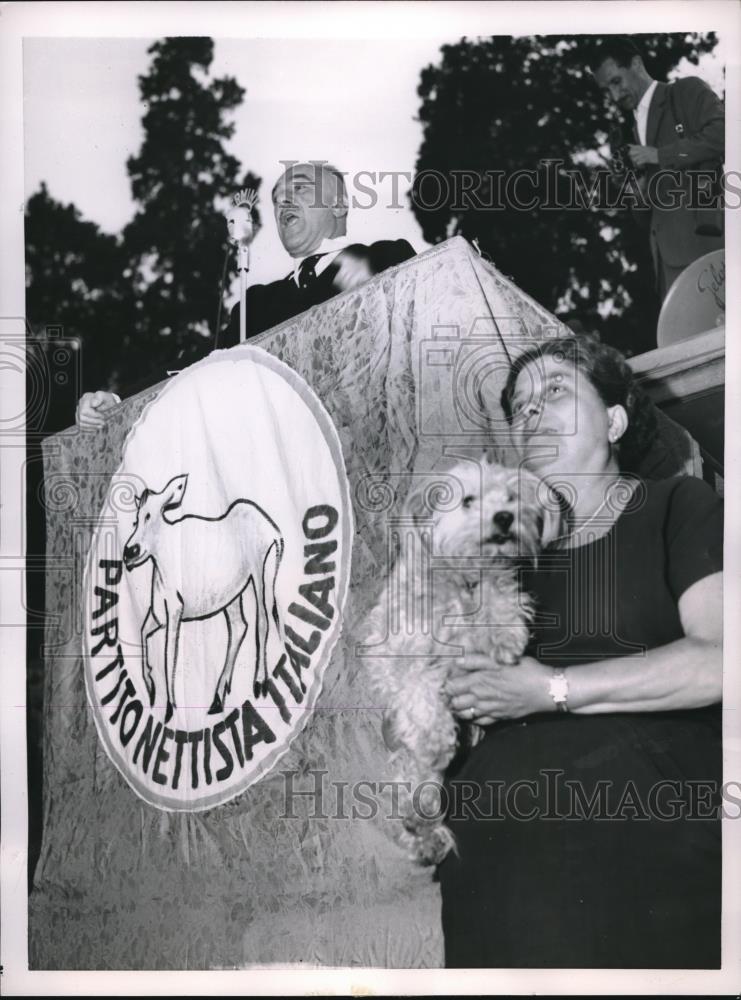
{"points": [[471, 602]]}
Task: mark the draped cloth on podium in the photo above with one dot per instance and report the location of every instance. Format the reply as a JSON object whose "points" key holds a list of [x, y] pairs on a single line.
{"points": [[298, 868]]}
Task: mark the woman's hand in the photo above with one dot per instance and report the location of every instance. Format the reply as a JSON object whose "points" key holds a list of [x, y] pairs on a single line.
{"points": [[496, 692]]}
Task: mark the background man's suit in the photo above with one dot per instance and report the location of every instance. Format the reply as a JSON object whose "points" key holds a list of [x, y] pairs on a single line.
{"points": [[269, 305], [674, 242]]}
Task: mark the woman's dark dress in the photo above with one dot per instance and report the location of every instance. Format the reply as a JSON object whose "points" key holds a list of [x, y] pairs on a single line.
{"points": [[535, 883]]}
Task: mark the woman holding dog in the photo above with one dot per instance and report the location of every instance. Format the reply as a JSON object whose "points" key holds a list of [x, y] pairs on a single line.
{"points": [[587, 819]]}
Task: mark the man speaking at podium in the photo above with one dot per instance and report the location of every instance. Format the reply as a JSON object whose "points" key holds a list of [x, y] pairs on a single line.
{"points": [[310, 206]]}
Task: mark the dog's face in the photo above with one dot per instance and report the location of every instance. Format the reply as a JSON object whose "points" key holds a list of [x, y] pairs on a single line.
{"points": [[494, 511]]}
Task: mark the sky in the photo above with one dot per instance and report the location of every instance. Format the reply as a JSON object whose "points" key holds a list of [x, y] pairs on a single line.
{"points": [[352, 102], [322, 101]]}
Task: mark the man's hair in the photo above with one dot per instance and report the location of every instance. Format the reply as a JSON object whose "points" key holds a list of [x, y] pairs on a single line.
{"points": [[341, 189], [327, 168], [612, 377], [621, 48]]}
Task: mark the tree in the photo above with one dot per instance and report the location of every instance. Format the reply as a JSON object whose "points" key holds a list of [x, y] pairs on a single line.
{"points": [[496, 106], [176, 241], [75, 284], [146, 300]]}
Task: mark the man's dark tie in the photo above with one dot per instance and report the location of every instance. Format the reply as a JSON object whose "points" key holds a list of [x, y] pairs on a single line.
{"points": [[306, 272]]}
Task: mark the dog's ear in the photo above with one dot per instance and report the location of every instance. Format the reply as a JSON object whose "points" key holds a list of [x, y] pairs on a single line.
{"points": [[553, 522], [538, 496]]}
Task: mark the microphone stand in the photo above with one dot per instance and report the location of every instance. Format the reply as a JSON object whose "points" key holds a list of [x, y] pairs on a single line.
{"points": [[243, 258], [241, 230]]}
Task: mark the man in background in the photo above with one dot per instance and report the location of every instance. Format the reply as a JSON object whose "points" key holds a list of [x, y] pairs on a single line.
{"points": [[680, 127], [310, 208]]}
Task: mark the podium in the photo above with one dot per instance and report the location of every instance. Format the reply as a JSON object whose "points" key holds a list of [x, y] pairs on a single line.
{"points": [[409, 368]]}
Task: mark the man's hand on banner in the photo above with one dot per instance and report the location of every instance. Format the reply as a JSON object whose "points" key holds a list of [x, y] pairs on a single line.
{"points": [[352, 271], [92, 406]]}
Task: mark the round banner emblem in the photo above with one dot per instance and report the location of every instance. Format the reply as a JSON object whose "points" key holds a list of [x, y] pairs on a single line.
{"points": [[216, 579]]}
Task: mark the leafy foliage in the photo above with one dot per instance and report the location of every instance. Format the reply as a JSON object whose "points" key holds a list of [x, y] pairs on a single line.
{"points": [[507, 104], [176, 241], [146, 300], [74, 277]]}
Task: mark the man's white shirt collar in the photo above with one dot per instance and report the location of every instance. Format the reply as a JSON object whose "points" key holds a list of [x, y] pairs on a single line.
{"points": [[641, 112], [329, 247]]}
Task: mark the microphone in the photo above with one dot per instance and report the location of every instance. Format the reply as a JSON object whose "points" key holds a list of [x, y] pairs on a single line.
{"points": [[241, 228], [239, 222]]}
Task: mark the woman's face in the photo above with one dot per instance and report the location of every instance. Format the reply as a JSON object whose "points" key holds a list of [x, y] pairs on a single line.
{"points": [[560, 423]]}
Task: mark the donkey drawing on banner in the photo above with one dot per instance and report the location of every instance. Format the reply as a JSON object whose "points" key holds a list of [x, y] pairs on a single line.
{"points": [[201, 568]]}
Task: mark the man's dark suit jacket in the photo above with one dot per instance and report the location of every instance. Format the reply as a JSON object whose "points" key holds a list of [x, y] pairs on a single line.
{"points": [[269, 305], [701, 147]]}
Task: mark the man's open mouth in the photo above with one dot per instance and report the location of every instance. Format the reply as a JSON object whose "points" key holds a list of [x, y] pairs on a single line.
{"points": [[289, 217]]}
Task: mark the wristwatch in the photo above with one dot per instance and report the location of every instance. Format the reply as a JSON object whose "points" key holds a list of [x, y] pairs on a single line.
{"points": [[558, 689]]}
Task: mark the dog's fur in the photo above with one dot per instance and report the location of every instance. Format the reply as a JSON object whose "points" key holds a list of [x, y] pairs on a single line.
{"points": [[476, 605]]}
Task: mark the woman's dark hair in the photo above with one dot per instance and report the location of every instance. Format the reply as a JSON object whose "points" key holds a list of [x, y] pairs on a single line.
{"points": [[610, 374]]}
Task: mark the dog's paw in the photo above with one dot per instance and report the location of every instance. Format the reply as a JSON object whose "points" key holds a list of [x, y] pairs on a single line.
{"points": [[510, 648], [425, 808], [433, 847]]}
